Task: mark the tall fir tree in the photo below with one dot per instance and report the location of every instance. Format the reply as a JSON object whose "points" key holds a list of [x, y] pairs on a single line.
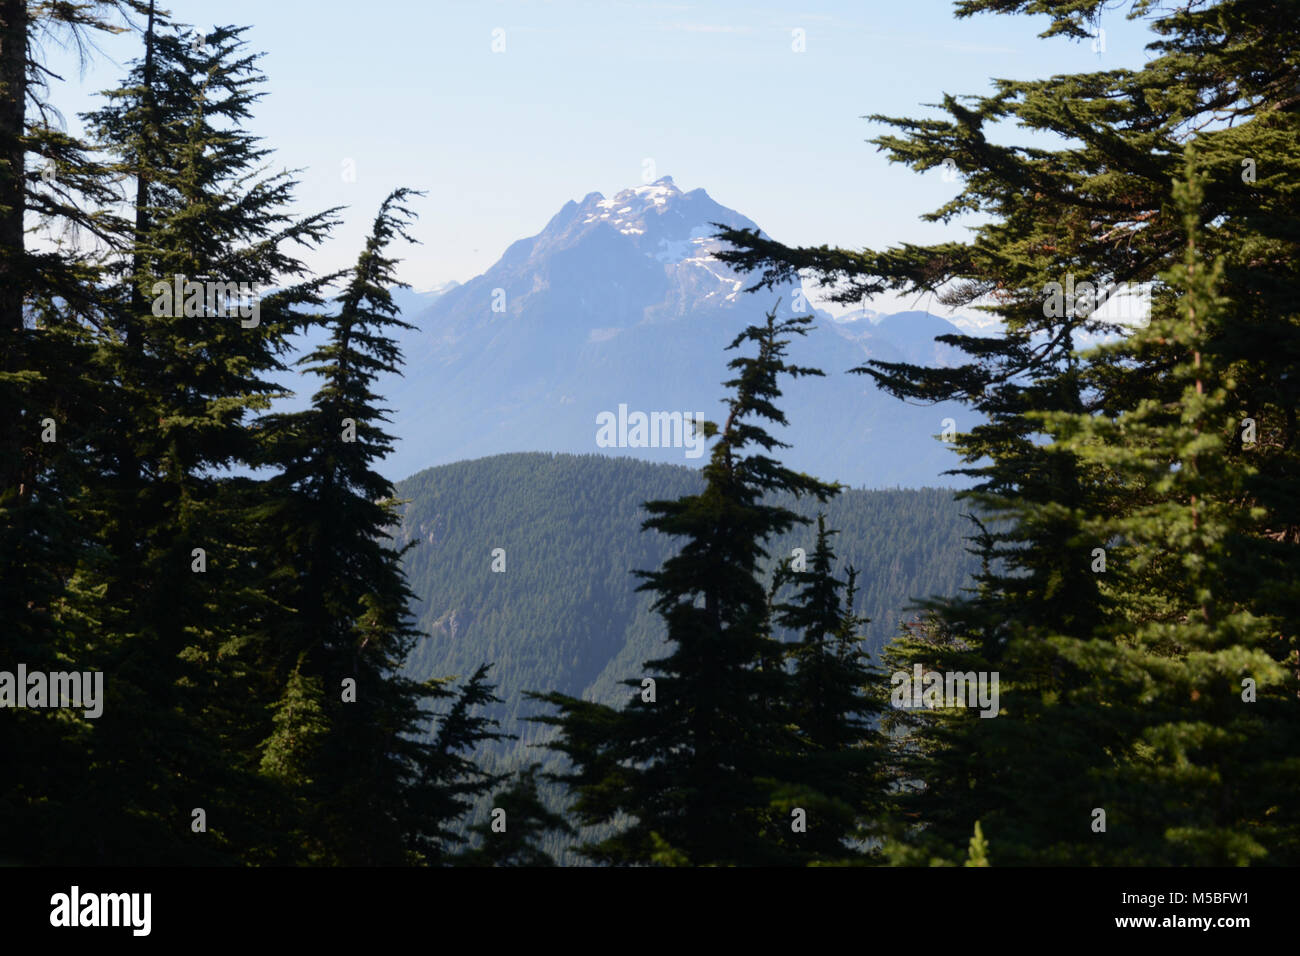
{"points": [[1196, 666], [1100, 208], [187, 351], [520, 822], [695, 760], [144, 556], [838, 768], [381, 789], [53, 223]]}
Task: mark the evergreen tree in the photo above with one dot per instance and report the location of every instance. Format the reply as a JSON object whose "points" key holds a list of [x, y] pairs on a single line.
{"points": [[174, 584], [56, 191], [1196, 665], [696, 765], [829, 702], [381, 793], [526, 821], [1102, 209], [48, 311], [225, 636]]}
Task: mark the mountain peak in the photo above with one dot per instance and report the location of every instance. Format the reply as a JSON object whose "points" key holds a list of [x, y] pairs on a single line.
{"points": [[557, 332], [657, 193]]}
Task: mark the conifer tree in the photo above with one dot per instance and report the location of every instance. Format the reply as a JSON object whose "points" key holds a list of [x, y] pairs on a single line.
{"points": [[49, 280], [1196, 666], [1100, 208], [520, 822], [56, 189], [696, 763], [174, 584], [138, 552], [839, 762], [383, 791]]}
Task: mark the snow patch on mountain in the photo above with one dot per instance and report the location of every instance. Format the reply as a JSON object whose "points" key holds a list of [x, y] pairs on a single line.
{"points": [[982, 325]]}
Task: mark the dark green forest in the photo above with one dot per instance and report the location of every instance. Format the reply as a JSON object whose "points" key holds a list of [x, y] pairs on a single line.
{"points": [[300, 664], [564, 615]]}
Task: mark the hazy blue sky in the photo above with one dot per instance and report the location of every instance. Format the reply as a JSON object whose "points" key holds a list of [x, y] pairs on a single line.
{"points": [[585, 93]]}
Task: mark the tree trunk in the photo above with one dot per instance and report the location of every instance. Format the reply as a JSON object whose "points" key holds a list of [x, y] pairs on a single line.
{"points": [[13, 96]]}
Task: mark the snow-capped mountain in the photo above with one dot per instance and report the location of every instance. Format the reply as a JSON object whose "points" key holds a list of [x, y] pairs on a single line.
{"points": [[619, 306], [981, 324]]}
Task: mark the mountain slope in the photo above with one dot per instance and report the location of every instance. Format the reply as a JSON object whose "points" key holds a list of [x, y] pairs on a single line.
{"points": [[564, 614]]}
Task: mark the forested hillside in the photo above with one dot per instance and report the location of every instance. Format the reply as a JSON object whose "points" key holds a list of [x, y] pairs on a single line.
{"points": [[564, 615]]}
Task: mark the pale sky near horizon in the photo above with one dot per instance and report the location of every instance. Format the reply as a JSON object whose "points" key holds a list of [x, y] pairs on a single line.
{"points": [[583, 95]]}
